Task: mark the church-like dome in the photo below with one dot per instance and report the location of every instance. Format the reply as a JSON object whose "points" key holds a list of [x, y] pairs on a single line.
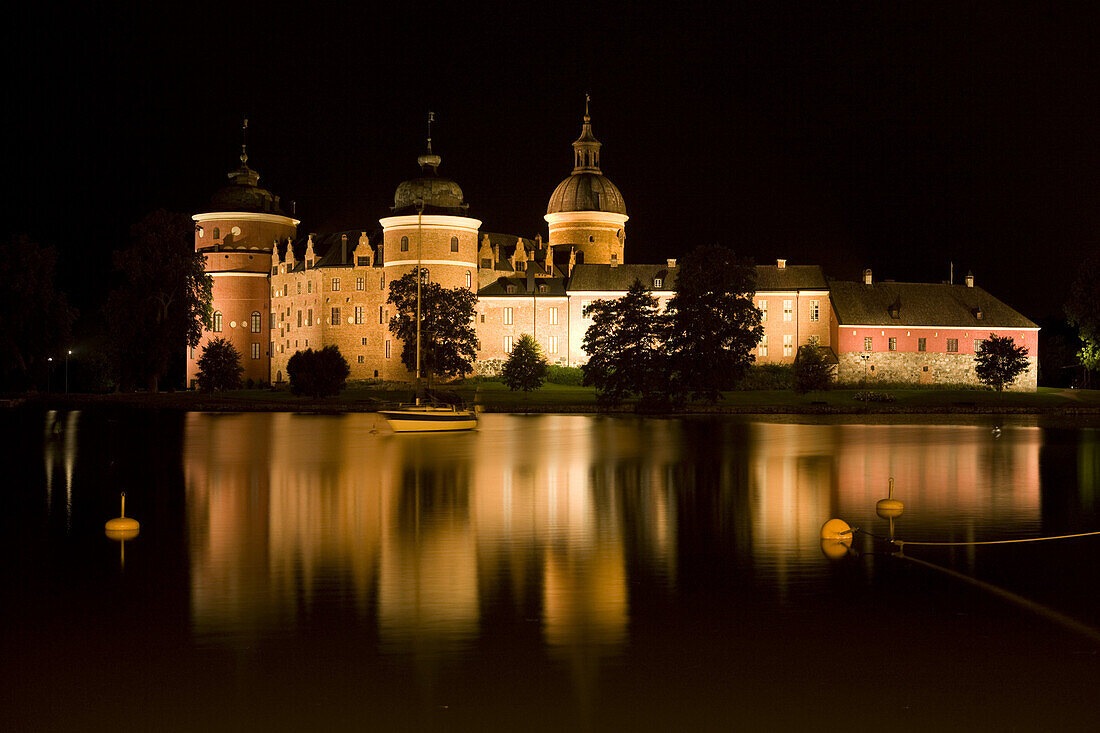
{"points": [[243, 194], [437, 195], [586, 192], [587, 188]]}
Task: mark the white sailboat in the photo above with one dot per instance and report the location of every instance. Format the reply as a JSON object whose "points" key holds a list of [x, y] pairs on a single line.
{"points": [[422, 418]]}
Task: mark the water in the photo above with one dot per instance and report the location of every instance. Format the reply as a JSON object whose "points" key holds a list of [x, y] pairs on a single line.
{"points": [[546, 572]]}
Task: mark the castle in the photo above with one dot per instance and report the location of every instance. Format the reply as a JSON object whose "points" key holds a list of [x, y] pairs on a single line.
{"points": [[276, 293]]}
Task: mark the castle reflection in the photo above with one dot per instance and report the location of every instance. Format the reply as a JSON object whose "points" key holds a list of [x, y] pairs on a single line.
{"points": [[552, 519]]}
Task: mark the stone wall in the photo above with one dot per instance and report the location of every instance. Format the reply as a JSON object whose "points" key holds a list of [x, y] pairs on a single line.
{"points": [[922, 368]]}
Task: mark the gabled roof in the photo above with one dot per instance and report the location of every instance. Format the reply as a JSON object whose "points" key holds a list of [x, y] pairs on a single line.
{"points": [[621, 277], [921, 304], [494, 285], [791, 277], [327, 249]]}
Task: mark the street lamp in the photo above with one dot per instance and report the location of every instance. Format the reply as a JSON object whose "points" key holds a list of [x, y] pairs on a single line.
{"points": [[67, 355], [49, 372]]}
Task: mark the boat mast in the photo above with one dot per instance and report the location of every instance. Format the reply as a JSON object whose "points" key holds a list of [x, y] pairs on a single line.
{"points": [[419, 239]]}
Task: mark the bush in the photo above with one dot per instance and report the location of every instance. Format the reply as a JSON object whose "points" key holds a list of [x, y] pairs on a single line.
{"points": [[870, 396], [811, 372], [321, 373], [568, 376], [526, 367], [219, 367], [767, 376]]}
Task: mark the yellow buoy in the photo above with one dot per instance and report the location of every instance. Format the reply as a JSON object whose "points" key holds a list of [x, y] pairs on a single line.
{"points": [[889, 508], [836, 529], [122, 527]]}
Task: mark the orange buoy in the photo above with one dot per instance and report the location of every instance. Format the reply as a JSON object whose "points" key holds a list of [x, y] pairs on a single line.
{"points": [[122, 527], [889, 508]]}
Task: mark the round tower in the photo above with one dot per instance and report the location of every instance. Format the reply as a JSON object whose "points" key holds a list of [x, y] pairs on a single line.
{"points": [[429, 224], [586, 211], [236, 236]]}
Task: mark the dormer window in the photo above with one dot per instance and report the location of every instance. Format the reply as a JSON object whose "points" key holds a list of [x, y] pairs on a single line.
{"points": [[542, 288], [658, 282], [510, 289], [895, 313]]}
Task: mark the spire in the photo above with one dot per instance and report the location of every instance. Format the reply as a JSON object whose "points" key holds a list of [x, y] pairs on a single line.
{"points": [[244, 176], [429, 161], [586, 148], [244, 142]]}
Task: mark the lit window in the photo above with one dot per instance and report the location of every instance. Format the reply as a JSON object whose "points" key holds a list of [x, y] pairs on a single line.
{"points": [[657, 282], [335, 284], [362, 261], [255, 351], [359, 314], [425, 276], [382, 281], [469, 280], [359, 283], [977, 345], [542, 288], [272, 319], [483, 318], [454, 244], [507, 317], [299, 287], [788, 310], [815, 310], [360, 359], [788, 345], [553, 316], [510, 289], [335, 317], [922, 344], [866, 343], [404, 244], [309, 286], [256, 321], [553, 344], [892, 344], [762, 348], [387, 348], [952, 345], [217, 321], [507, 344]]}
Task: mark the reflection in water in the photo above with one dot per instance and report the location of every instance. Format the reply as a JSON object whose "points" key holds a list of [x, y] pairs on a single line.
{"points": [[60, 441], [553, 519]]}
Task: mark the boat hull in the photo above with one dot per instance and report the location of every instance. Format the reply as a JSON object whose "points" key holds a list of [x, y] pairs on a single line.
{"points": [[432, 420]]}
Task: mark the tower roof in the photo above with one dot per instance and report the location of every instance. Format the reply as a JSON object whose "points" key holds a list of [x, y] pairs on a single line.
{"points": [[429, 192], [244, 193], [586, 188]]}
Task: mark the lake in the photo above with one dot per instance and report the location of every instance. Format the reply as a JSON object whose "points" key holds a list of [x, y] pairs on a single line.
{"points": [[549, 572]]}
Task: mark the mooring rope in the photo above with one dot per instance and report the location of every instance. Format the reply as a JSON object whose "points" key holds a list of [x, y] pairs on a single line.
{"points": [[903, 543]]}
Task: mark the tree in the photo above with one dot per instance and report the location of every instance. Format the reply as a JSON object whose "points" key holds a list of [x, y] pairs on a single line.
{"points": [[1083, 310], [811, 371], [624, 346], [320, 373], [164, 299], [219, 367], [35, 319], [999, 361], [713, 324], [526, 366], [448, 341]]}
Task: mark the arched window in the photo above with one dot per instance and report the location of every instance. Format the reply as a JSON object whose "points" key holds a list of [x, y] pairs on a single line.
{"points": [[469, 279], [424, 275], [404, 244], [255, 321], [217, 233], [454, 244], [217, 322]]}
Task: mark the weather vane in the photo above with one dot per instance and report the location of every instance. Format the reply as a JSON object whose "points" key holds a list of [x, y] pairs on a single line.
{"points": [[244, 140], [431, 119]]}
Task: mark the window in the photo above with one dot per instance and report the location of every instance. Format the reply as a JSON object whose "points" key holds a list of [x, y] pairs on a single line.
{"points": [[382, 281], [815, 310], [387, 348], [359, 314], [454, 244], [507, 344], [922, 344], [977, 344], [380, 315], [256, 321], [424, 276], [788, 345], [335, 317], [362, 261], [952, 345], [360, 359], [483, 318], [814, 341], [284, 291], [217, 319], [404, 244], [763, 311], [335, 284], [866, 343], [309, 286], [271, 347], [359, 283], [217, 233], [309, 317], [788, 310], [657, 282], [507, 316], [274, 271], [272, 320], [553, 344], [469, 280], [892, 344], [193, 350], [255, 351], [299, 287], [542, 288], [299, 319], [762, 347], [553, 316]]}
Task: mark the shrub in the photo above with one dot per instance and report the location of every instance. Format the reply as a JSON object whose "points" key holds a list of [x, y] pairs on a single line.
{"points": [[871, 396], [219, 367], [767, 377], [320, 373], [811, 372], [526, 367], [564, 375]]}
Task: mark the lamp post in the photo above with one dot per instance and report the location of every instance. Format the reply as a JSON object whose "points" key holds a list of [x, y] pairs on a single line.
{"points": [[67, 355], [49, 372]]}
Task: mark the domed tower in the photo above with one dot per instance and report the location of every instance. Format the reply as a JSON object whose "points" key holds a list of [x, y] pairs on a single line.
{"points": [[586, 210], [236, 236], [429, 225]]}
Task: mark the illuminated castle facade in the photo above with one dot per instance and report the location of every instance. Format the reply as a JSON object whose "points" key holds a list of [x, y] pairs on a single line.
{"points": [[276, 293]]}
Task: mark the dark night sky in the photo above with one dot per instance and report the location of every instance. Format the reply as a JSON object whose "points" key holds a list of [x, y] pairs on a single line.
{"points": [[892, 135]]}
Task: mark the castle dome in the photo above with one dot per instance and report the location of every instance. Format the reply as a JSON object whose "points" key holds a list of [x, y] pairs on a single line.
{"points": [[244, 194], [437, 195], [587, 188]]}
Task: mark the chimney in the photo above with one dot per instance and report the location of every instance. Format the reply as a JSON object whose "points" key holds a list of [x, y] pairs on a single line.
{"points": [[671, 262], [343, 249], [781, 264], [867, 277], [970, 279]]}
